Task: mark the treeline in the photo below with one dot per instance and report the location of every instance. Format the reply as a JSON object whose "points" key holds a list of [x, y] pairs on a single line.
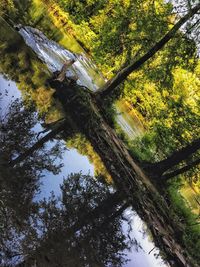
{"points": [[109, 147], [165, 89]]}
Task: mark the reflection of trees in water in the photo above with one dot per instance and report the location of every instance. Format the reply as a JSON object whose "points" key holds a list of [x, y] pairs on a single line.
{"points": [[84, 147], [95, 243], [160, 215], [20, 64], [19, 184], [82, 228]]}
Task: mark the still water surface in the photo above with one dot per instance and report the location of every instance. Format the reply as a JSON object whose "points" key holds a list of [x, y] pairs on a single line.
{"points": [[54, 55]]}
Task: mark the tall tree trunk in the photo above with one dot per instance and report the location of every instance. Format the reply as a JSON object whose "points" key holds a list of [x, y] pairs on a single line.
{"points": [[58, 128], [127, 176], [182, 170], [105, 208], [111, 202], [116, 214], [112, 84], [157, 169]]}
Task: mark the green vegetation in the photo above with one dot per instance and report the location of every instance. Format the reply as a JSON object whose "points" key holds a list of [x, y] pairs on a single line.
{"points": [[164, 91], [191, 227]]}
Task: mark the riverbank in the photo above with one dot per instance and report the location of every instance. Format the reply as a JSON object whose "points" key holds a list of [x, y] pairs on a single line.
{"points": [[147, 142], [106, 160]]}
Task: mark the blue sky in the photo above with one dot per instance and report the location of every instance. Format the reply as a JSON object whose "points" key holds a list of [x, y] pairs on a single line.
{"points": [[74, 162]]}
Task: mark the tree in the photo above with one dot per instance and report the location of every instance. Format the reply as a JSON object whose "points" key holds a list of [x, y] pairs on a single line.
{"points": [[20, 181], [122, 74], [51, 238], [191, 29], [127, 175], [38, 145], [159, 168]]}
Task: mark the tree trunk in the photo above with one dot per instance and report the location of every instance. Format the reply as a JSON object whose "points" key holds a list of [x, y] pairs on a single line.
{"points": [[116, 214], [182, 170], [105, 208], [38, 145], [126, 174], [157, 169], [112, 84]]}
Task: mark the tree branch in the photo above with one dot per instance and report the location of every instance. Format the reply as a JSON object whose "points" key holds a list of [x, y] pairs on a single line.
{"points": [[160, 167], [104, 208], [37, 145], [110, 86], [181, 170]]}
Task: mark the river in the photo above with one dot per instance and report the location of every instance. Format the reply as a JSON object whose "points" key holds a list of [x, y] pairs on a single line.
{"points": [[53, 56]]}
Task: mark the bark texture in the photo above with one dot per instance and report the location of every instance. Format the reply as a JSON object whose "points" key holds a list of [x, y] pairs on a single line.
{"points": [[127, 175]]}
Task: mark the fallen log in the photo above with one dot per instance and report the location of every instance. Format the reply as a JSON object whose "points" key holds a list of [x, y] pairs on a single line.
{"points": [[128, 177]]}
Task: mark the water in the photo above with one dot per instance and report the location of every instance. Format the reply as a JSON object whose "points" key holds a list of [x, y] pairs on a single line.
{"points": [[128, 120], [54, 56]]}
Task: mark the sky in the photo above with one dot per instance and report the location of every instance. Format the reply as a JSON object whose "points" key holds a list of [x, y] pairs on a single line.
{"points": [[12, 93], [74, 162]]}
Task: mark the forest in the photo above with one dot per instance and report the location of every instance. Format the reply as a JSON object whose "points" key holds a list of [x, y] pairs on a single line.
{"points": [[117, 83]]}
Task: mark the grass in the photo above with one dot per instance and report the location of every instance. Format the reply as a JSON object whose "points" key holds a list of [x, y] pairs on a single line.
{"points": [[192, 195], [191, 235]]}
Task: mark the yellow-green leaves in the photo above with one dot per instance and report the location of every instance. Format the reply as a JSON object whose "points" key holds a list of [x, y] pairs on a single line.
{"points": [[186, 85]]}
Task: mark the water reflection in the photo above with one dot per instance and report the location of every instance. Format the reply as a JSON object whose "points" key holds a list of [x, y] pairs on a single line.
{"points": [[74, 162], [128, 120], [83, 227], [69, 231]]}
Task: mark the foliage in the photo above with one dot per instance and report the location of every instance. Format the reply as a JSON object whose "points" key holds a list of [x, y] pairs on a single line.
{"points": [[17, 134], [7, 7], [48, 238], [165, 89], [85, 148], [189, 220], [115, 30]]}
